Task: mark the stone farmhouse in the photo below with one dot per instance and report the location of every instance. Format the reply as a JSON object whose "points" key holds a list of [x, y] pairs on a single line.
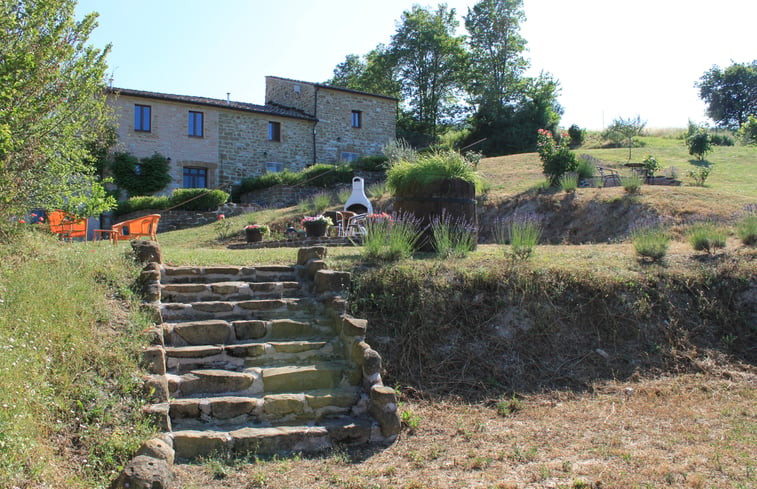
{"points": [[214, 142]]}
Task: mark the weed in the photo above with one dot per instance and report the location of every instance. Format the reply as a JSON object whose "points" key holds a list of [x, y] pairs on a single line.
{"points": [[410, 420], [223, 229], [580, 484], [569, 182], [631, 184], [508, 407], [706, 237], [343, 195], [544, 472], [746, 230], [651, 243], [377, 189]]}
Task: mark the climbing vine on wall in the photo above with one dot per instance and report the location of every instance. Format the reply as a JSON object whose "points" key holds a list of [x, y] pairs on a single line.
{"points": [[142, 176]]}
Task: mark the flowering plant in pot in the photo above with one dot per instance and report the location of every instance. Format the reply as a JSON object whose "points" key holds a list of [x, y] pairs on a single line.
{"points": [[316, 226], [255, 232]]}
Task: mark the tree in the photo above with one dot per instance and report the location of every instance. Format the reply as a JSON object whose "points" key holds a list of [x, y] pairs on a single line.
{"points": [[430, 63], [495, 52], [52, 108], [699, 144], [374, 73], [730, 94], [625, 130]]}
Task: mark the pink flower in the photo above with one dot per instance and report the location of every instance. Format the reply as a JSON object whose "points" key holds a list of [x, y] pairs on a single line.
{"points": [[21, 221], [221, 216]]}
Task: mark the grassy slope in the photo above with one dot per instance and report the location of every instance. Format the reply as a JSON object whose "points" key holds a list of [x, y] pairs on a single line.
{"points": [[69, 385]]}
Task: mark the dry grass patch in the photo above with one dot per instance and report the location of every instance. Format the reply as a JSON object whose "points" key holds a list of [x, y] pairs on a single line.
{"points": [[688, 431]]}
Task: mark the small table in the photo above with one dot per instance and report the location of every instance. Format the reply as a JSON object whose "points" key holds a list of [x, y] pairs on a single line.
{"points": [[100, 234]]}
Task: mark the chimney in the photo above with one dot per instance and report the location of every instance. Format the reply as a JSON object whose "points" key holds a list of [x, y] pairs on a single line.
{"points": [[228, 99]]}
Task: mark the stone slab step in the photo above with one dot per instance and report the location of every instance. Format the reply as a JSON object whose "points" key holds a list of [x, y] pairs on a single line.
{"points": [[252, 353], [267, 441], [260, 380], [228, 291], [222, 332], [294, 308], [269, 410], [190, 274]]}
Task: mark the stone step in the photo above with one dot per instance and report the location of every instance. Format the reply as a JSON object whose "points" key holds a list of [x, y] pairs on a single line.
{"points": [[264, 309], [268, 410], [228, 291], [221, 332], [263, 380], [275, 440], [190, 274], [238, 356]]}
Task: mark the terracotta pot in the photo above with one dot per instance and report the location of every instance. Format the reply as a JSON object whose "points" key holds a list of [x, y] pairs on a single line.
{"points": [[253, 235], [315, 229]]}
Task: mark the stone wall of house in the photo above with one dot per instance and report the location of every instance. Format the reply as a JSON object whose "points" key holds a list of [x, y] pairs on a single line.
{"points": [[169, 136], [290, 93], [244, 148], [335, 134]]}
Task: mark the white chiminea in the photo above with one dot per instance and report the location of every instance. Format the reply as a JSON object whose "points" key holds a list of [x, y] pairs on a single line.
{"points": [[358, 202]]}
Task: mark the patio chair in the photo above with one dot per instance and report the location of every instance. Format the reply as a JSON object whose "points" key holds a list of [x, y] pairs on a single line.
{"points": [[356, 226], [140, 227], [67, 226]]}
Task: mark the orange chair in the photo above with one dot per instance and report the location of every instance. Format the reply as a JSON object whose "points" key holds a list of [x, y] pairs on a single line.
{"points": [[66, 225], [145, 226]]}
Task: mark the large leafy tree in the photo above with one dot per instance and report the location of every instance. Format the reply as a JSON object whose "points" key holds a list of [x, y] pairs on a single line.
{"points": [[496, 52], [430, 60], [730, 94], [53, 115], [373, 73]]}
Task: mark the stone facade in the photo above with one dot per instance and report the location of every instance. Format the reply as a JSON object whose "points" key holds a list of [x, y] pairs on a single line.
{"points": [[315, 125], [350, 124]]}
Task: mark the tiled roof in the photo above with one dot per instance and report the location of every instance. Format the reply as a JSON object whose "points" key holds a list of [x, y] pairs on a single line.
{"points": [[339, 89], [220, 103]]}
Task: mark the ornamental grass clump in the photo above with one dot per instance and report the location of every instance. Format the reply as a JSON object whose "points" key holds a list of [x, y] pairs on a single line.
{"points": [[390, 238], [746, 229], [407, 178], [321, 202], [707, 237], [651, 243], [452, 237], [569, 182], [522, 233], [631, 184]]}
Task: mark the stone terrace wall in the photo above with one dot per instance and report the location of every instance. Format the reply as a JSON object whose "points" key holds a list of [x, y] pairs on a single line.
{"points": [[177, 219], [286, 196]]}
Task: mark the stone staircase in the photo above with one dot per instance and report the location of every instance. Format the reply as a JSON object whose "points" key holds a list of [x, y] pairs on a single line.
{"points": [[262, 360]]}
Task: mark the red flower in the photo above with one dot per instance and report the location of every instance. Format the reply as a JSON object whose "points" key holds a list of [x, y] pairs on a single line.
{"points": [[221, 216], [21, 221]]}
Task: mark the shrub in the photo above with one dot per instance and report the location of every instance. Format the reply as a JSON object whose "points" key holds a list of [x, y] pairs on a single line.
{"points": [[556, 158], [700, 174], [651, 164], [452, 237], [569, 182], [321, 201], [343, 195], [631, 184], [405, 178], [706, 237], [748, 131], [699, 144], [371, 163], [323, 175], [577, 135], [140, 203], [721, 140], [399, 150], [585, 169], [140, 177], [390, 239], [199, 199], [746, 230], [651, 243]]}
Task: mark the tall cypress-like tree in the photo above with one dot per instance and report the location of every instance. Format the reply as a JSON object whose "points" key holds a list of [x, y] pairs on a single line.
{"points": [[52, 107]]}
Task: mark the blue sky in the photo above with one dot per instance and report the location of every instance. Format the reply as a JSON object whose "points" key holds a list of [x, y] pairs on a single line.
{"points": [[613, 57]]}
